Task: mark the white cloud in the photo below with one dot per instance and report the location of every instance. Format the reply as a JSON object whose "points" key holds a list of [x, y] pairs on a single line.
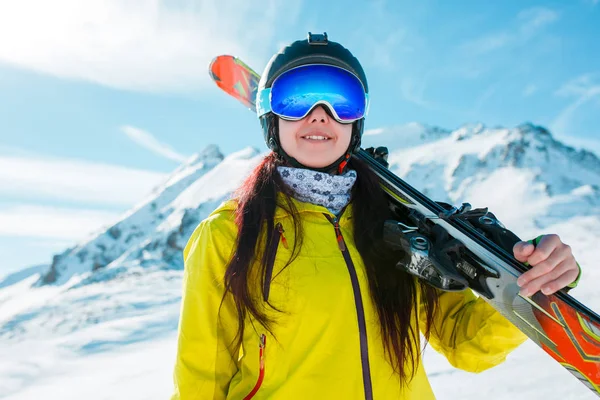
{"points": [[52, 222], [374, 131], [529, 22], [146, 45], [584, 88], [489, 92], [488, 43], [145, 139], [529, 90], [382, 52], [586, 85], [74, 180], [413, 90], [533, 19]]}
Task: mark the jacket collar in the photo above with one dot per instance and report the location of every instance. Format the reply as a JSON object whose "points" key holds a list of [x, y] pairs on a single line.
{"points": [[302, 207]]}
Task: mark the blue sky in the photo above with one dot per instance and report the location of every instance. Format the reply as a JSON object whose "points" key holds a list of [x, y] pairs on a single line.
{"points": [[100, 100]]}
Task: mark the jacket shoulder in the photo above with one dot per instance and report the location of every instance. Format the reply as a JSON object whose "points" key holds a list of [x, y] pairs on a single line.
{"points": [[222, 217], [224, 214], [218, 229]]}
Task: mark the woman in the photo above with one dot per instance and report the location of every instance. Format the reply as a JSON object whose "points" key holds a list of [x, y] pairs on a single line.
{"points": [[289, 292]]}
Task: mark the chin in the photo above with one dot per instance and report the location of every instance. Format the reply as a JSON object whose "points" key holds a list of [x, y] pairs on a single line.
{"points": [[311, 163]]}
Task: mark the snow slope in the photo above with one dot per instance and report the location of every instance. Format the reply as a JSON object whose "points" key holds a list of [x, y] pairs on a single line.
{"points": [[100, 321]]}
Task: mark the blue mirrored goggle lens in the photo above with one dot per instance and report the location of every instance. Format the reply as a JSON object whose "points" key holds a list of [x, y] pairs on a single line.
{"points": [[297, 91]]}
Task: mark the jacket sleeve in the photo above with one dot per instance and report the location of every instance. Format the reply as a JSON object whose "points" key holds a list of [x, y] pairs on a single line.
{"points": [[470, 333], [204, 365]]}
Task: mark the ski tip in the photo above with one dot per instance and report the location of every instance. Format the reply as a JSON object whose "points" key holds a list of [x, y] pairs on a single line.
{"points": [[212, 66]]}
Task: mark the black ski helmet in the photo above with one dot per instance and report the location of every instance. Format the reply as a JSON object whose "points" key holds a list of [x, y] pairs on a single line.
{"points": [[316, 49]]}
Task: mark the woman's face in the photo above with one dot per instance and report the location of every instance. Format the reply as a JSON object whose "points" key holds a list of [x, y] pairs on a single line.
{"points": [[317, 140]]}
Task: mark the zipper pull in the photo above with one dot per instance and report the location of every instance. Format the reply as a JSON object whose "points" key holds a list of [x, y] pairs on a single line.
{"points": [[283, 239], [338, 235], [262, 345]]}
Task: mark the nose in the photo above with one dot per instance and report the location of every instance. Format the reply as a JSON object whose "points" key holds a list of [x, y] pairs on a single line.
{"points": [[318, 114]]}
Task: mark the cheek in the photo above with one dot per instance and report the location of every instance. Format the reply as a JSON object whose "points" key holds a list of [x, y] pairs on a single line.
{"points": [[287, 131], [346, 133]]}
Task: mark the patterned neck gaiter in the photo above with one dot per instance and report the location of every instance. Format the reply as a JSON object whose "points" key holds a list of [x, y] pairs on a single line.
{"points": [[330, 191]]}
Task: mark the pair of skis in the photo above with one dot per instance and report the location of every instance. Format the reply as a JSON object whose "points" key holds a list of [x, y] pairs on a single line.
{"points": [[455, 248]]}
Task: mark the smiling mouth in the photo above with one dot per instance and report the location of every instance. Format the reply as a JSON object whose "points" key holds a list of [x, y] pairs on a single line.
{"points": [[316, 137]]}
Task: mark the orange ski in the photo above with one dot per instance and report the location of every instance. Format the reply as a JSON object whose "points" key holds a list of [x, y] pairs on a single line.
{"points": [[235, 78]]}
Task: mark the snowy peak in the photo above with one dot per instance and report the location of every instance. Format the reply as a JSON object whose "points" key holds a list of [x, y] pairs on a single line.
{"points": [[468, 131], [211, 155], [530, 146], [522, 170], [210, 152], [117, 242]]}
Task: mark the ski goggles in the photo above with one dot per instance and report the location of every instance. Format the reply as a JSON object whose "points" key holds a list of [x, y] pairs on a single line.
{"points": [[296, 92]]}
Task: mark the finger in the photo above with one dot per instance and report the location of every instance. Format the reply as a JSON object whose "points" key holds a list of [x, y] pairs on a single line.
{"points": [[522, 250], [536, 284], [540, 269], [559, 283], [545, 247]]}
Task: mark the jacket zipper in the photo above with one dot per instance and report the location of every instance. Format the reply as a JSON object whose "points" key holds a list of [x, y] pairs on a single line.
{"points": [[360, 311], [261, 375], [277, 237]]}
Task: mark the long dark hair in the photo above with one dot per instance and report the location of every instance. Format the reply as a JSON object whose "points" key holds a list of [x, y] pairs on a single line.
{"points": [[393, 291]]}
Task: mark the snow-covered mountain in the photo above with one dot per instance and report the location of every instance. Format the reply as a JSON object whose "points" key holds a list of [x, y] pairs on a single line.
{"points": [[114, 297], [148, 226], [520, 173]]}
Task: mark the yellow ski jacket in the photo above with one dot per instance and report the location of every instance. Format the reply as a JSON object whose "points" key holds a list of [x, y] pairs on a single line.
{"points": [[328, 338]]}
